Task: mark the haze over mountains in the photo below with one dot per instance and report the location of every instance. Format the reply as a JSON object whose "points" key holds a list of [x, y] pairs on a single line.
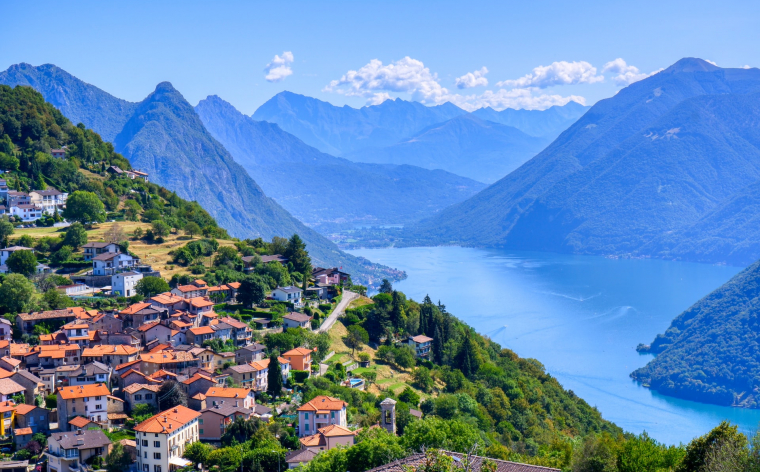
{"points": [[485, 145], [316, 187], [164, 136], [647, 172]]}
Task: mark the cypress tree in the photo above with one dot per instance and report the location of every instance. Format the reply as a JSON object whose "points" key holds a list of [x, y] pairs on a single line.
{"points": [[398, 313], [274, 377], [438, 342]]}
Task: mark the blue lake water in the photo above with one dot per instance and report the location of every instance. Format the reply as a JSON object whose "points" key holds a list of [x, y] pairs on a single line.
{"points": [[581, 316]]}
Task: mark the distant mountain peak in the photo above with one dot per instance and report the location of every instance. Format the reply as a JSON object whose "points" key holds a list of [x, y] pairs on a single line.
{"points": [[691, 64], [165, 87]]}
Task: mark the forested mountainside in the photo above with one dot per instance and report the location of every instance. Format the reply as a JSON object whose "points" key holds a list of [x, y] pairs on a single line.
{"points": [[30, 127], [317, 187], [640, 167], [80, 102], [165, 137], [341, 130], [547, 124], [466, 145], [711, 352]]}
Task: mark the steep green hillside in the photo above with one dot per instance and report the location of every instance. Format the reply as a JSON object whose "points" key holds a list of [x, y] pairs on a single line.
{"points": [[166, 138], [711, 352], [78, 101], [341, 130], [465, 145], [316, 187], [652, 160]]}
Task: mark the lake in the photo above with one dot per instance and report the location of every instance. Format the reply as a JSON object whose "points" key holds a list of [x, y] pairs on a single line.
{"points": [[580, 316]]}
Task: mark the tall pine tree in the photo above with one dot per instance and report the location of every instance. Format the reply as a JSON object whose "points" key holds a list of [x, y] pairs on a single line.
{"points": [[438, 342], [468, 360], [274, 377], [297, 255], [398, 312]]}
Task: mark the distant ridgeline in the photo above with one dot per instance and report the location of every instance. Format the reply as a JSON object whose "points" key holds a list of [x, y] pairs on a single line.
{"points": [[30, 128], [711, 352], [669, 167], [162, 135]]}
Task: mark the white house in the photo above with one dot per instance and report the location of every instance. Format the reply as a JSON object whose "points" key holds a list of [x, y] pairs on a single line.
{"points": [[49, 200], [162, 439], [83, 400], [421, 345], [288, 294], [27, 213], [58, 153], [296, 320], [93, 249], [110, 263], [123, 283], [74, 289]]}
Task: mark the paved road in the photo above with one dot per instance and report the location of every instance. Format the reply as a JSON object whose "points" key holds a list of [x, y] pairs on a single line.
{"points": [[348, 297]]}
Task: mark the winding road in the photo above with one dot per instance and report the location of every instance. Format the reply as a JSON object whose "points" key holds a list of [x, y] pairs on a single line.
{"points": [[348, 297]]}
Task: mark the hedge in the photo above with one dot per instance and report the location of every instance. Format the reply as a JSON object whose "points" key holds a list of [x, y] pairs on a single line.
{"points": [[299, 376]]}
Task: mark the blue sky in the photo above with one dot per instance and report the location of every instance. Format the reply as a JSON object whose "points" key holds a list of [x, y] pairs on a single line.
{"points": [[224, 48]]}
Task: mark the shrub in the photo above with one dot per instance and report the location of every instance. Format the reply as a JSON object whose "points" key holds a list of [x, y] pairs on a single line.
{"points": [[299, 376]]}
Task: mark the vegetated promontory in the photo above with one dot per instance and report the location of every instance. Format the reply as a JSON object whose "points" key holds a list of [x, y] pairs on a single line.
{"points": [[711, 352]]}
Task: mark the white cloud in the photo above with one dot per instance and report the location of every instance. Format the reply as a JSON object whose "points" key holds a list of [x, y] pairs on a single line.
{"points": [[279, 68], [746, 66], [711, 62], [405, 75], [473, 79], [625, 74], [556, 73], [376, 81]]}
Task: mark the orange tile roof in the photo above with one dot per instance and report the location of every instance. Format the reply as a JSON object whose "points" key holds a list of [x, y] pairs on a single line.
{"points": [[4, 374], [147, 326], [7, 406], [201, 330], [336, 430], [227, 392], [187, 288], [162, 357], [109, 349], [200, 302], [22, 431], [161, 373], [24, 409], [168, 421], [132, 371], [313, 441], [233, 322], [197, 376], [299, 351], [132, 309], [323, 402], [167, 298], [18, 349], [79, 422], [199, 396], [162, 347], [136, 387], [200, 283], [76, 325], [235, 285], [127, 364], [82, 391]]}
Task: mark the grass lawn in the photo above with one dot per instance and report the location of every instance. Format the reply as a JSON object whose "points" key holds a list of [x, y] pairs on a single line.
{"points": [[156, 255], [388, 378], [119, 435], [359, 302]]}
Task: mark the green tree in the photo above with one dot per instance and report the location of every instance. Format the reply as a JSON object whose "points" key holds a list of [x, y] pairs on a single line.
{"points": [[119, 459], [409, 396], [398, 311], [404, 357], [75, 236], [151, 286], [197, 452], [278, 245], [61, 255], [422, 379], [142, 411], [6, 229], [16, 293], [192, 228], [433, 432], [160, 228], [386, 287], [374, 447], [56, 300], [227, 256], [252, 291], [297, 255], [644, 454], [240, 430], [356, 338], [274, 377], [467, 359], [84, 207], [699, 448], [597, 453], [22, 262], [170, 394], [132, 210]]}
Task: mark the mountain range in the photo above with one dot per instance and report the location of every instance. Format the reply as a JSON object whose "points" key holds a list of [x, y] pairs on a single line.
{"points": [[651, 171], [484, 145], [165, 137], [317, 187], [711, 352]]}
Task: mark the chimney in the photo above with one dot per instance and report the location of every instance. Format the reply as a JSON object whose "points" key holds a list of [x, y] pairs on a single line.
{"points": [[236, 403], [79, 432]]}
